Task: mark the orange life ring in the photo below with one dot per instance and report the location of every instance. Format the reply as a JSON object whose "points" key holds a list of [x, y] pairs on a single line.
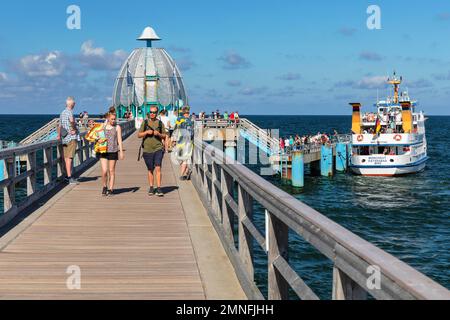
{"points": [[360, 138], [397, 137]]}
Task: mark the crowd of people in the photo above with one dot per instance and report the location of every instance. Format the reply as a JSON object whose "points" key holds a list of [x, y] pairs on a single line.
{"points": [[160, 133], [231, 117], [390, 122], [305, 143], [83, 119]]}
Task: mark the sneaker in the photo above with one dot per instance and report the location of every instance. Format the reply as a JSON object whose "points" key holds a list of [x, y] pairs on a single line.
{"points": [[182, 178], [151, 191], [109, 192], [159, 193], [105, 191], [73, 181]]}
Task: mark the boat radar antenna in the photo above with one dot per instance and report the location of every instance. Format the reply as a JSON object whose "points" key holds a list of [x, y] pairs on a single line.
{"points": [[395, 81], [149, 35]]}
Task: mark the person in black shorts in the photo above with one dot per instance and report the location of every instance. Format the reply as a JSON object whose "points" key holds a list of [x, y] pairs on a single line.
{"points": [[153, 134], [108, 160]]}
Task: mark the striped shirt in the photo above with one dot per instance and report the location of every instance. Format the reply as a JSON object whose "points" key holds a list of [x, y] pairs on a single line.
{"points": [[64, 120]]}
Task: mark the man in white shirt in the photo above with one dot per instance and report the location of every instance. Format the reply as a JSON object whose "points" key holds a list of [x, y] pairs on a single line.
{"points": [[166, 122]]}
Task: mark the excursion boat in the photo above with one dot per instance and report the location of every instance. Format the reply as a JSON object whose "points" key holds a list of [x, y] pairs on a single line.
{"points": [[391, 141]]}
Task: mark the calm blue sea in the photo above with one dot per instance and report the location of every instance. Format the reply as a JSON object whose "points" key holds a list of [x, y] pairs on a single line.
{"points": [[408, 217]]}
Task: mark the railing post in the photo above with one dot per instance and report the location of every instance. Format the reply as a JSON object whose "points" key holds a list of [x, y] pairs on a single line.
{"points": [[86, 149], [48, 162], [214, 194], [277, 238], [31, 167], [198, 162], [245, 204], [226, 183], [78, 155], [61, 165], [344, 288], [206, 185], [9, 192]]}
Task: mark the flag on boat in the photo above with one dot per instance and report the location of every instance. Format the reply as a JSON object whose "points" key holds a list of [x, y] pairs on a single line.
{"points": [[377, 126]]}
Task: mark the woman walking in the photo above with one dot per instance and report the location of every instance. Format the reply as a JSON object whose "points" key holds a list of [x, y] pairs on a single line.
{"points": [[109, 136]]}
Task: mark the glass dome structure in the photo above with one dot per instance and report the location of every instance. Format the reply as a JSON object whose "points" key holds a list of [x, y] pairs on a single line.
{"points": [[149, 77]]}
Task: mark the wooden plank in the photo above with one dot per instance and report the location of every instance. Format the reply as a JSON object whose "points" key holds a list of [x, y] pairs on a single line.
{"points": [[128, 246], [344, 288], [227, 213], [245, 203], [31, 167], [278, 246]]}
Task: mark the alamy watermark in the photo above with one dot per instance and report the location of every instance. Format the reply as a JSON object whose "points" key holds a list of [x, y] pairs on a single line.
{"points": [[73, 282], [374, 280], [74, 20], [374, 20]]}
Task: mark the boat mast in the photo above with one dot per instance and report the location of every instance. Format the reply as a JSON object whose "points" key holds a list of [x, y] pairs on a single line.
{"points": [[396, 83]]}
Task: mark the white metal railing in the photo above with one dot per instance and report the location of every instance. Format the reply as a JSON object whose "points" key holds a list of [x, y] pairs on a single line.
{"points": [[229, 191]]}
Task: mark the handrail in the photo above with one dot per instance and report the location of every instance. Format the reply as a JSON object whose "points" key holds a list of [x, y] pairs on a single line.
{"points": [[354, 259], [44, 130], [83, 158]]}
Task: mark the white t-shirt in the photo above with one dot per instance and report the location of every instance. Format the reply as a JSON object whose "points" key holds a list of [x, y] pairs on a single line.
{"points": [[166, 121]]}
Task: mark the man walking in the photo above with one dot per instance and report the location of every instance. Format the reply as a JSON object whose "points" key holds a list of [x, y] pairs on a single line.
{"points": [[153, 133], [185, 133], [67, 133]]}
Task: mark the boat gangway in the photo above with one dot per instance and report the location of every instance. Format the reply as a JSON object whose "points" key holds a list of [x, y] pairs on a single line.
{"points": [[200, 241]]}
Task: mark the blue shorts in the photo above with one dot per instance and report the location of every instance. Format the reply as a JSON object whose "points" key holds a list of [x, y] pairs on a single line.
{"points": [[153, 160]]}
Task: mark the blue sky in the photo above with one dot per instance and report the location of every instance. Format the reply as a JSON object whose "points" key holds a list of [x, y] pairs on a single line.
{"points": [[260, 57]]}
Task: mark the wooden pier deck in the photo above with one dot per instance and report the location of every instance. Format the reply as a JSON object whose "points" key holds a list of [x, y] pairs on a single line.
{"points": [[128, 246]]}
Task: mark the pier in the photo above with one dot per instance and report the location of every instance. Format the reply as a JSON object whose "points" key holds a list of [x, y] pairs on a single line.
{"points": [[323, 159], [198, 242]]}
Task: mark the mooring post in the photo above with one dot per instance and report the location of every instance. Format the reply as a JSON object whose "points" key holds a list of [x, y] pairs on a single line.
{"points": [[298, 169], [326, 161], [341, 157], [2, 168], [230, 149]]}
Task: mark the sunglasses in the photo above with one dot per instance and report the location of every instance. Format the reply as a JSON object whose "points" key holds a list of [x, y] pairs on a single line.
{"points": [[153, 112]]}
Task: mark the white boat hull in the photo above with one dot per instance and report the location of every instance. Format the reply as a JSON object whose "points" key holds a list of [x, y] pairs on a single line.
{"points": [[388, 171]]}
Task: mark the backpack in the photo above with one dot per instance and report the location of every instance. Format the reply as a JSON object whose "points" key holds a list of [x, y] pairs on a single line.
{"points": [[96, 133], [146, 127]]}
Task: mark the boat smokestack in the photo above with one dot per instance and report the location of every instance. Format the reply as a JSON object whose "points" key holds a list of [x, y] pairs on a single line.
{"points": [[356, 118], [407, 117]]}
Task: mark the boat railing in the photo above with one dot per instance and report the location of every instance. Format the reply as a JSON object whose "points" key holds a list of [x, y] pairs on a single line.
{"points": [[229, 192]]}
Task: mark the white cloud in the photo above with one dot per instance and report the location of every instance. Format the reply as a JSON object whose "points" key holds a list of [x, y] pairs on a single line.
{"points": [[88, 50], [232, 61], [370, 56], [290, 76], [372, 82], [98, 58], [185, 63], [49, 64], [250, 91]]}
